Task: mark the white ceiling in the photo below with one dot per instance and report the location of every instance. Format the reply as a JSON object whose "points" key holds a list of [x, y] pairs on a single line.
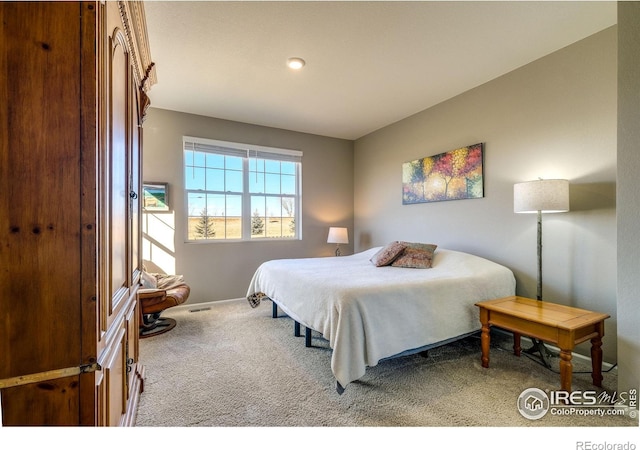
{"points": [[369, 64]]}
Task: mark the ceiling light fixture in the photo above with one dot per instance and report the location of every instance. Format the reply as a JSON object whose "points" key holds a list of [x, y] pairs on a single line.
{"points": [[295, 63]]}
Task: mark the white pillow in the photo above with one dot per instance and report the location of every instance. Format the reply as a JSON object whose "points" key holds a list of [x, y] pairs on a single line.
{"points": [[148, 281]]}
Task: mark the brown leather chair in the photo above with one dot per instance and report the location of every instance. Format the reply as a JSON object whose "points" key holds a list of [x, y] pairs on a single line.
{"points": [[152, 302]]}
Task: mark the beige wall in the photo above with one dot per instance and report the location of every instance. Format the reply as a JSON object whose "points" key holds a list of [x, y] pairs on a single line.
{"points": [[218, 271], [553, 118], [628, 196]]}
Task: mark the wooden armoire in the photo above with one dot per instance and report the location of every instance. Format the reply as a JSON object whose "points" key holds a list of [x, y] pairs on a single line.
{"points": [[74, 78]]}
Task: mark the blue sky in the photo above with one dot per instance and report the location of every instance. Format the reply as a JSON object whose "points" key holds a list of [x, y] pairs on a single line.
{"points": [[223, 174]]}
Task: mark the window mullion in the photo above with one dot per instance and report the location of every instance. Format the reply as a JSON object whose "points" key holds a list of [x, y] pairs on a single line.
{"points": [[298, 202], [246, 201]]}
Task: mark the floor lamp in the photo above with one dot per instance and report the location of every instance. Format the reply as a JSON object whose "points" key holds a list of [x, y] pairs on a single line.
{"points": [[540, 197]]}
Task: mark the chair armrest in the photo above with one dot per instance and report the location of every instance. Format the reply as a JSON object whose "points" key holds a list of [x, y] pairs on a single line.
{"points": [[146, 295], [151, 293], [157, 300], [179, 294]]}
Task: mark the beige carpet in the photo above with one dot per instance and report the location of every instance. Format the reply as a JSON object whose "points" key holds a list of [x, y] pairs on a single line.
{"points": [[234, 366]]}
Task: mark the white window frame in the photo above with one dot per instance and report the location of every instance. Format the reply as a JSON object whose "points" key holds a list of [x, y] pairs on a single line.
{"points": [[246, 151]]}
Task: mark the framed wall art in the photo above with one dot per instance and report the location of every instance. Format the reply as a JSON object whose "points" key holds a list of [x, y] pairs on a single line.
{"points": [[155, 196], [453, 175]]}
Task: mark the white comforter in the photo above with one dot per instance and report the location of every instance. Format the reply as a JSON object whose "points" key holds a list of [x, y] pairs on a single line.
{"points": [[368, 313]]}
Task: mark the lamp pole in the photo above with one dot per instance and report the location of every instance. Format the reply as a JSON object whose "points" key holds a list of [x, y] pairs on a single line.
{"points": [[539, 294], [538, 346]]}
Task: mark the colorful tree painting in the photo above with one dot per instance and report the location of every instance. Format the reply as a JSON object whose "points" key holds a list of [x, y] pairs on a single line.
{"points": [[454, 175]]}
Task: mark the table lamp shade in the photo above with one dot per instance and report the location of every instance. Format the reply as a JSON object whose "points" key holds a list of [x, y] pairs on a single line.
{"points": [[547, 196], [338, 235]]}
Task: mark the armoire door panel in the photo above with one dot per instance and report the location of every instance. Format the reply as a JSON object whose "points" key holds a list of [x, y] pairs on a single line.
{"points": [[70, 136], [54, 402], [114, 372], [39, 186], [135, 185], [101, 399], [119, 70]]}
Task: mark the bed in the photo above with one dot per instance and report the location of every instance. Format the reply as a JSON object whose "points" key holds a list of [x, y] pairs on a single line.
{"points": [[369, 313]]}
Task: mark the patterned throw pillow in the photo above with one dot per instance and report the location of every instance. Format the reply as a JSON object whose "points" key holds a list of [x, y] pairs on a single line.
{"points": [[387, 254], [415, 256]]}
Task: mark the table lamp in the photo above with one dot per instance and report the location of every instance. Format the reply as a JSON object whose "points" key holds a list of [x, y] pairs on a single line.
{"points": [[338, 235]]}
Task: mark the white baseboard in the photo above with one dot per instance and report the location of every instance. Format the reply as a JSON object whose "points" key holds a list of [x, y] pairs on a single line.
{"points": [[195, 307]]}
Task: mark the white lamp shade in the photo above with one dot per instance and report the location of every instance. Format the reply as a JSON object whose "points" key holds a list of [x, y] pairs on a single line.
{"points": [[338, 235], [546, 196]]}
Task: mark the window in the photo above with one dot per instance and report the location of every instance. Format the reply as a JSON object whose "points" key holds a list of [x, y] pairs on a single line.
{"points": [[240, 191]]}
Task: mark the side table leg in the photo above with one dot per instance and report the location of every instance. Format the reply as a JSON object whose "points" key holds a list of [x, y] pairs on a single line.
{"points": [[566, 370], [596, 361], [516, 344], [485, 342]]}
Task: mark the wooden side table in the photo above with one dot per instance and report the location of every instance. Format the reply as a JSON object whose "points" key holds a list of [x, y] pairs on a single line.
{"points": [[562, 325]]}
